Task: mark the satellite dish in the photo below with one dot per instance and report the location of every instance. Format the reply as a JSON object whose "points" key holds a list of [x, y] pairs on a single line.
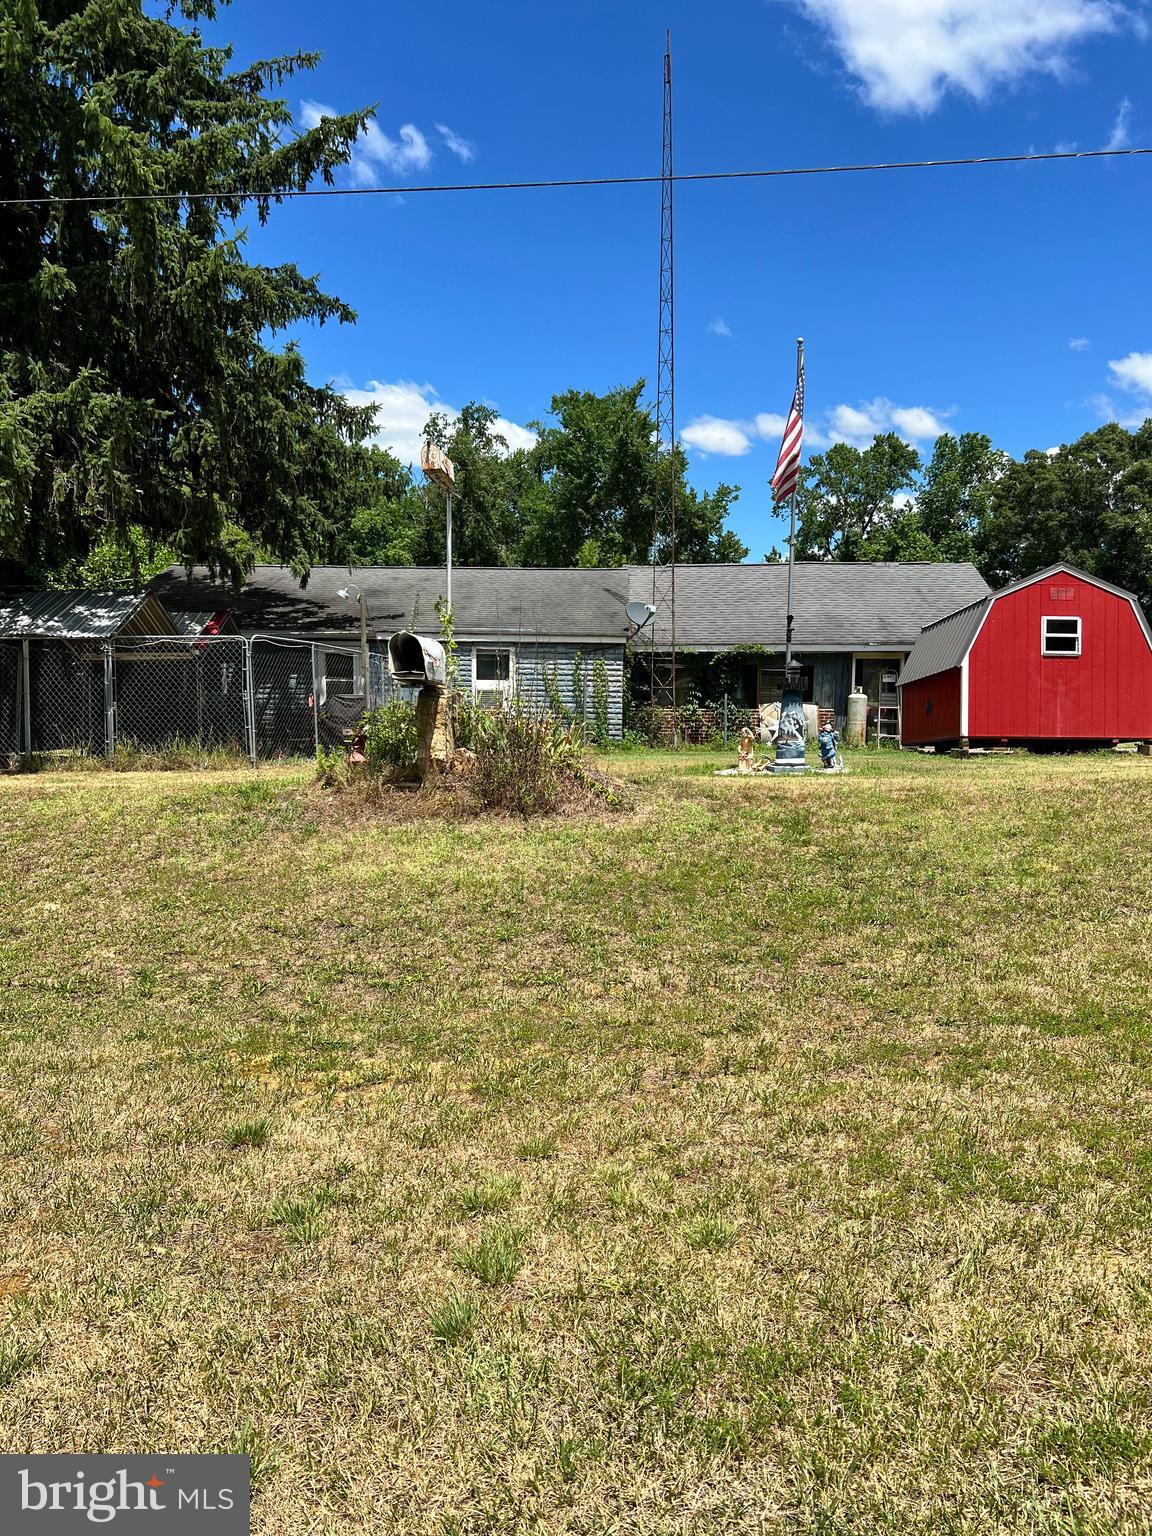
{"points": [[639, 613]]}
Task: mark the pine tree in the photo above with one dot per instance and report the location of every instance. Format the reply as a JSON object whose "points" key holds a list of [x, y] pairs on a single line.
{"points": [[140, 404]]}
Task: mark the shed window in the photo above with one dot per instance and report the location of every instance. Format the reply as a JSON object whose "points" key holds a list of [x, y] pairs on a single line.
{"points": [[1060, 637], [492, 675]]}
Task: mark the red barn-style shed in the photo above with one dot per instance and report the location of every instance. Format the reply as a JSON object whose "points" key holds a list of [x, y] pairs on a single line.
{"points": [[1060, 656]]}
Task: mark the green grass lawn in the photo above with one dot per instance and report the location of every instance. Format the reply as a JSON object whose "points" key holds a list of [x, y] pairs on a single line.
{"points": [[773, 1157]]}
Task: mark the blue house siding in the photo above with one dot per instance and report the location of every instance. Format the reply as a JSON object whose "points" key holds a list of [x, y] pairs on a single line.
{"points": [[533, 662]]}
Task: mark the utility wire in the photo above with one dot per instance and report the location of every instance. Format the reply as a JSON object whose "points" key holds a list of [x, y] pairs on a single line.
{"points": [[587, 181]]}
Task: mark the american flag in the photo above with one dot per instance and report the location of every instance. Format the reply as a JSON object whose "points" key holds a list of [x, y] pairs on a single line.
{"points": [[788, 464]]}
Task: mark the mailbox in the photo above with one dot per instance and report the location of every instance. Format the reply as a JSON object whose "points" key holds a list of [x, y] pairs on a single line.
{"points": [[416, 660]]}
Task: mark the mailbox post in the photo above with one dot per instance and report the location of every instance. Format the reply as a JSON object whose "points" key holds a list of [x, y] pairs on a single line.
{"points": [[419, 662]]}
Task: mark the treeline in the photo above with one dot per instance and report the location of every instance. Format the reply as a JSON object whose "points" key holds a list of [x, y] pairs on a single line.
{"points": [[583, 494], [1087, 502]]}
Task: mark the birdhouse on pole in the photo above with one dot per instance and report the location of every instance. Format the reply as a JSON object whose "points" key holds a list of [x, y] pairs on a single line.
{"points": [[438, 467]]}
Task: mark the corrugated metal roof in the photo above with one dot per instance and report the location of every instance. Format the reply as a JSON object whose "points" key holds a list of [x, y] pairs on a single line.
{"points": [[212, 621], [945, 644], [838, 605], [73, 615]]}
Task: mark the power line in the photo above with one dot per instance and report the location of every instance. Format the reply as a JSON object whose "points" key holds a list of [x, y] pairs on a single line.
{"points": [[584, 181]]}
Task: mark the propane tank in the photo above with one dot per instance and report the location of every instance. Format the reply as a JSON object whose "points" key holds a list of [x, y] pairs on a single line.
{"points": [[857, 720]]}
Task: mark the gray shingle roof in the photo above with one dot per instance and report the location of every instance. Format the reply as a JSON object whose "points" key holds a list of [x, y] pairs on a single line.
{"points": [[837, 606], [489, 602], [82, 615]]}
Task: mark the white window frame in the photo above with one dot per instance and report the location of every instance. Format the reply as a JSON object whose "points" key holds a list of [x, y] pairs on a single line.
{"points": [[324, 692], [1063, 618], [504, 687]]}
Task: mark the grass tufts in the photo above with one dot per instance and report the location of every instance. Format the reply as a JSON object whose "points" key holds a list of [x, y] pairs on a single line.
{"points": [[487, 1199], [17, 1358], [453, 1320], [249, 1133], [496, 1258]]}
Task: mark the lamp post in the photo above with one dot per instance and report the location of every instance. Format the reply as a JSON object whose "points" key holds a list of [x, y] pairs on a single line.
{"points": [[346, 593]]}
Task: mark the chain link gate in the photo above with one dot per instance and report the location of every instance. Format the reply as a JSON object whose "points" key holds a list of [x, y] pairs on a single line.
{"points": [[261, 697]]}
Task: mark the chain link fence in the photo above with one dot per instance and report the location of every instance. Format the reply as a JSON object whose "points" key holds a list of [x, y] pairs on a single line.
{"points": [[261, 697]]}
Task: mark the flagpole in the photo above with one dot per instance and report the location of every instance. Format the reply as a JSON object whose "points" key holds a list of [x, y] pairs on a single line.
{"points": [[790, 728], [792, 528]]}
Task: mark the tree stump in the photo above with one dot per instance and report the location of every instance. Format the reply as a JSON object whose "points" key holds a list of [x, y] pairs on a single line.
{"points": [[435, 738]]}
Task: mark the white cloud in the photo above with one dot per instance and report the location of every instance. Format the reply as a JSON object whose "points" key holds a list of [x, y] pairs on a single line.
{"points": [[1079, 343], [907, 54], [733, 437], [1120, 137], [712, 434], [374, 151], [463, 149], [858, 425], [403, 412], [1134, 372], [916, 422], [769, 425], [719, 327]]}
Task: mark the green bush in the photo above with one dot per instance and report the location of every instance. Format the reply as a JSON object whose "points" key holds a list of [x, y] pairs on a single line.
{"points": [[390, 736], [522, 759], [465, 711], [332, 767]]}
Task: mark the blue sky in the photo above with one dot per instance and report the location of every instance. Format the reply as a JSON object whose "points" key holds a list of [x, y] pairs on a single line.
{"points": [[1009, 300]]}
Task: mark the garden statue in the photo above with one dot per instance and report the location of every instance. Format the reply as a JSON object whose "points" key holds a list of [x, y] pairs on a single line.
{"points": [[747, 747], [792, 730], [829, 742]]}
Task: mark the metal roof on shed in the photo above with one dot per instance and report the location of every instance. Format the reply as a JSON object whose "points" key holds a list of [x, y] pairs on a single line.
{"points": [[945, 644], [74, 615]]}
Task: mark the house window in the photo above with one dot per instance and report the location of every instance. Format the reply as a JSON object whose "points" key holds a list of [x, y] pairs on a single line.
{"points": [[1060, 636], [492, 675], [772, 683], [339, 675]]}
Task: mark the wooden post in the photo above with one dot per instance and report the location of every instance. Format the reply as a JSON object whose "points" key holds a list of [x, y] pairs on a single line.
{"points": [[435, 739]]}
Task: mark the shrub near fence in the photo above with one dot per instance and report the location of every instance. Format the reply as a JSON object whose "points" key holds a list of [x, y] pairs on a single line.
{"points": [[699, 724]]}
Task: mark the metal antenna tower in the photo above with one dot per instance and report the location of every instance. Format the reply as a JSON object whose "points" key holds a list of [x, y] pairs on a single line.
{"points": [[663, 632]]}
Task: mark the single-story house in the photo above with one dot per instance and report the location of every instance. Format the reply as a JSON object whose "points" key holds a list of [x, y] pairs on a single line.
{"points": [[544, 631], [1060, 656], [854, 625], [549, 634]]}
